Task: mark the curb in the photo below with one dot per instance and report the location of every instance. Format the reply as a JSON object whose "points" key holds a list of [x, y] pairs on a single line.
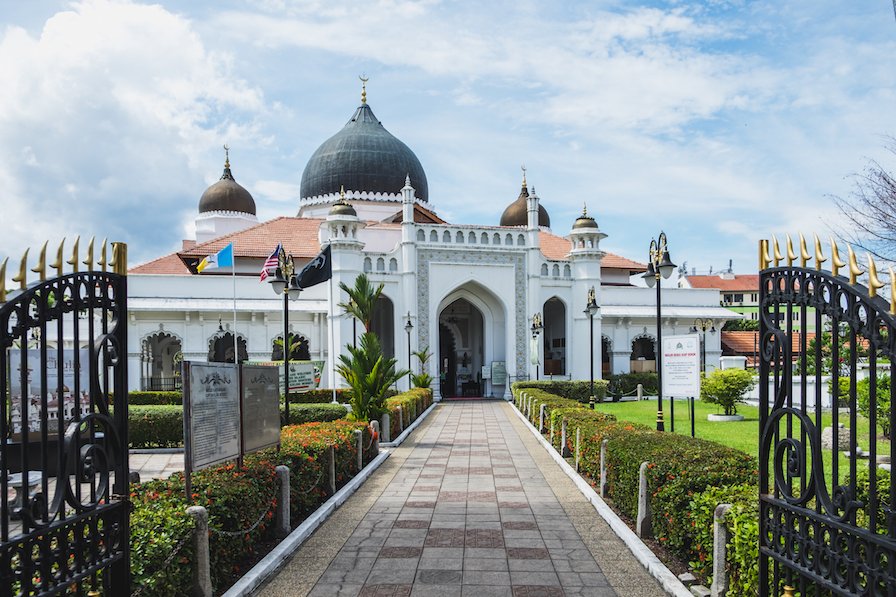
{"points": [[642, 553], [404, 434], [156, 451], [272, 562]]}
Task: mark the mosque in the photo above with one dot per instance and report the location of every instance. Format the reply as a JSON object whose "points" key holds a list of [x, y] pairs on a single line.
{"points": [[494, 303]]}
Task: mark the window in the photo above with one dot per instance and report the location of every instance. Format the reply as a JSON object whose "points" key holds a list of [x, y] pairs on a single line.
{"points": [[737, 298]]}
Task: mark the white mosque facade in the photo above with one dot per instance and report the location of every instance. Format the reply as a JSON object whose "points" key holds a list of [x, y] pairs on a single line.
{"points": [[469, 293]]}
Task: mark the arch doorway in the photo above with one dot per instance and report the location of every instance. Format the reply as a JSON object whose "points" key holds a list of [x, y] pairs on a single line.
{"points": [[221, 348], [461, 349], [643, 354]]}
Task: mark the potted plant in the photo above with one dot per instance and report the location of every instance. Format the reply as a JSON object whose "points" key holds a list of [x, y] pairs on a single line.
{"points": [[727, 388]]}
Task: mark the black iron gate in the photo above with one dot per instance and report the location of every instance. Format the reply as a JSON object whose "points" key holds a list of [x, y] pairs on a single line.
{"points": [[827, 355], [63, 428]]}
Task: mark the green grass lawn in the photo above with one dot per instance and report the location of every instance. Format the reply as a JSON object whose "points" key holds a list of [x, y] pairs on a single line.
{"points": [[743, 435]]}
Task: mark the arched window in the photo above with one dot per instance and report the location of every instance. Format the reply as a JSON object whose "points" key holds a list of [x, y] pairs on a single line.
{"points": [[446, 237], [472, 238], [298, 350], [484, 238], [459, 238], [544, 269], [508, 240], [421, 236], [393, 265], [521, 240], [433, 236], [162, 355], [368, 265], [555, 271], [567, 272], [220, 348], [497, 239], [380, 264]]}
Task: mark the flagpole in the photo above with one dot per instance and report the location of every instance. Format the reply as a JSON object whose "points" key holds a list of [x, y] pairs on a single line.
{"points": [[331, 333]]}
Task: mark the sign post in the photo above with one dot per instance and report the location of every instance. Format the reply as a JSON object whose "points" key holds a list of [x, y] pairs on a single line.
{"points": [[681, 371]]}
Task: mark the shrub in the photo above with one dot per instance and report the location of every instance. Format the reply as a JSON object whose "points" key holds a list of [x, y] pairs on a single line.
{"points": [[578, 390], [159, 522], [155, 398], [413, 402], [422, 379], [727, 388], [863, 398], [369, 373], [156, 426], [626, 384], [318, 396], [307, 413]]}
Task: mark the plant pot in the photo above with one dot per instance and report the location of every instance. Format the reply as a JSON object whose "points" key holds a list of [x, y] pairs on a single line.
{"points": [[724, 418]]}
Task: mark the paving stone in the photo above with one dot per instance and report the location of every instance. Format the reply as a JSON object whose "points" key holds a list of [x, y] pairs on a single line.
{"points": [[439, 577], [385, 590]]}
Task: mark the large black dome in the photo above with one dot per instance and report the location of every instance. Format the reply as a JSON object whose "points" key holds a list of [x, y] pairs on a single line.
{"points": [[363, 157]]}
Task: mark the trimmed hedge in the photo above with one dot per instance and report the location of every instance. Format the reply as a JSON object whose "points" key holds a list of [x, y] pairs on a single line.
{"points": [[236, 500], [318, 396], [578, 390], [412, 403], [159, 426], [687, 478], [154, 398], [308, 413], [626, 384]]}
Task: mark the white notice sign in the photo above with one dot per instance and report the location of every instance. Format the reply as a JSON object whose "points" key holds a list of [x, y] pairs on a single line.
{"points": [[212, 398], [681, 366]]}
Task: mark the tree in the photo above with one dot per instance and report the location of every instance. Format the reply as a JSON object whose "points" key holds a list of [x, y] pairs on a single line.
{"points": [[369, 374], [362, 299], [870, 210], [827, 351], [727, 388], [741, 325], [422, 379]]}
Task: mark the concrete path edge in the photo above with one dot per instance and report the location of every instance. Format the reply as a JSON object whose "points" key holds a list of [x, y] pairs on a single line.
{"points": [[404, 434], [272, 562], [642, 553]]}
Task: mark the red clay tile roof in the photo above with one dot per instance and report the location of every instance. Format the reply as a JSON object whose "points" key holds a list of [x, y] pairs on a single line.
{"points": [[741, 282], [745, 343], [557, 247], [298, 235]]}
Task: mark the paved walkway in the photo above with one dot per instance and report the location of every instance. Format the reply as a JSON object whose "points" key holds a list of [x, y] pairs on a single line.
{"points": [[471, 504]]}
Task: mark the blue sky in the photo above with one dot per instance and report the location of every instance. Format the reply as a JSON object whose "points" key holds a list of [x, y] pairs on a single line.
{"points": [[718, 121]]}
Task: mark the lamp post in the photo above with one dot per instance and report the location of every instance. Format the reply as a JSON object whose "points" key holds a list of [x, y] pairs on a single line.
{"points": [[407, 328], [702, 325], [537, 326], [591, 309], [659, 266], [284, 282]]}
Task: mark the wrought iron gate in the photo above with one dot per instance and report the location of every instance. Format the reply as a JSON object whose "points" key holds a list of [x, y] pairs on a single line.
{"points": [[63, 428], [827, 519]]}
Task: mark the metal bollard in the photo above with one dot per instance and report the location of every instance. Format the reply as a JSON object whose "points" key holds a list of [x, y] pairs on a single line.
{"points": [[281, 516], [359, 441], [202, 575], [643, 524], [386, 427], [332, 465], [375, 426]]}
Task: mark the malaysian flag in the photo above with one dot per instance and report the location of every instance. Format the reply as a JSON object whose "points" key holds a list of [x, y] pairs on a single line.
{"points": [[271, 263]]}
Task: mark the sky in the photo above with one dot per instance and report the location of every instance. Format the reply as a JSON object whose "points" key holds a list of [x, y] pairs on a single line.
{"points": [[719, 122]]}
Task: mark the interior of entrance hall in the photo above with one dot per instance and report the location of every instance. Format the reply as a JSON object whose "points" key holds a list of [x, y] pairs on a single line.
{"points": [[461, 350]]}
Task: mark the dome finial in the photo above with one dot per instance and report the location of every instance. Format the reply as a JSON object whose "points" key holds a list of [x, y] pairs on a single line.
{"points": [[342, 192], [226, 156], [523, 168], [584, 210], [364, 78]]}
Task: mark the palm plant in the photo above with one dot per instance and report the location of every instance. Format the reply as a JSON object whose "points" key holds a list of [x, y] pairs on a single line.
{"points": [[295, 343], [422, 379], [362, 299], [369, 374]]}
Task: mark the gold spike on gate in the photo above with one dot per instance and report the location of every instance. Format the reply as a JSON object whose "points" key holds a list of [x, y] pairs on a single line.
{"points": [[776, 254], [804, 251], [41, 268], [892, 291], [57, 265], [854, 270], [763, 254], [836, 261], [819, 256], [103, 262], [89, 260], [22, 277], [119, 258], [74, 260], [874, 283], [791, 256], [3, 280]]}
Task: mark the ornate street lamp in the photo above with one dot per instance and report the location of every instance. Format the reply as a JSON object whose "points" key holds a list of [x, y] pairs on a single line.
{"points": [[407, 328], [702, 325], [659, 266], [537, 326], [284, 282], [592, 309]]}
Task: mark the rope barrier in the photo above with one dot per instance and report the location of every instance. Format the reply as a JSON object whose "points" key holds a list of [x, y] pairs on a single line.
{"points": [[250, 529], [167, 561], [319, 477]]}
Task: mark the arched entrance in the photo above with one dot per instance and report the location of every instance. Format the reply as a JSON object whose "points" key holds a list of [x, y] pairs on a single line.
{"points": [[461, 349], [643, 354], [554, 337], [161, 356], [220, 348], [382, 323]]}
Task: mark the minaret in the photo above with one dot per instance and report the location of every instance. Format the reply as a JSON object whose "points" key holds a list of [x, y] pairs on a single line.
{"points": [[585, 257], [408, 267]]}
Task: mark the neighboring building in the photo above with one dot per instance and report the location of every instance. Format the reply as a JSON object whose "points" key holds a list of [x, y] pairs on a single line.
{"points": [[746, 344], [469, 291]]}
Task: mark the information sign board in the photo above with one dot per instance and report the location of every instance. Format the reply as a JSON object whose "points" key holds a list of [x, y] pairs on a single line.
{"points": [[211, 414], [499, 373], [681, 366], [261, 408], [304, 376]]}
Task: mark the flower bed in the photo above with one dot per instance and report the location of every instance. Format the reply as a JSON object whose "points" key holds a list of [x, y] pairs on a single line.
{"points": [[236, 500], [412, 403]]}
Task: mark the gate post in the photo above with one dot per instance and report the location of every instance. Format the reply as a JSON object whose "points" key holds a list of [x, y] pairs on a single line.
{"points": [[202, 576], [643, 525], [719, 551], [281, 516], [603, 469]]}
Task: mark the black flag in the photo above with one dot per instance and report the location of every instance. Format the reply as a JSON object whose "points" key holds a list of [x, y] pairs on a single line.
{"points": [[318, 270]]}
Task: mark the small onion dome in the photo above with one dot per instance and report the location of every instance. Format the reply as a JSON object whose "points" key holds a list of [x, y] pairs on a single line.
{"points": [[584, 221], [343, 207], [227, 195], [517, 212]]}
